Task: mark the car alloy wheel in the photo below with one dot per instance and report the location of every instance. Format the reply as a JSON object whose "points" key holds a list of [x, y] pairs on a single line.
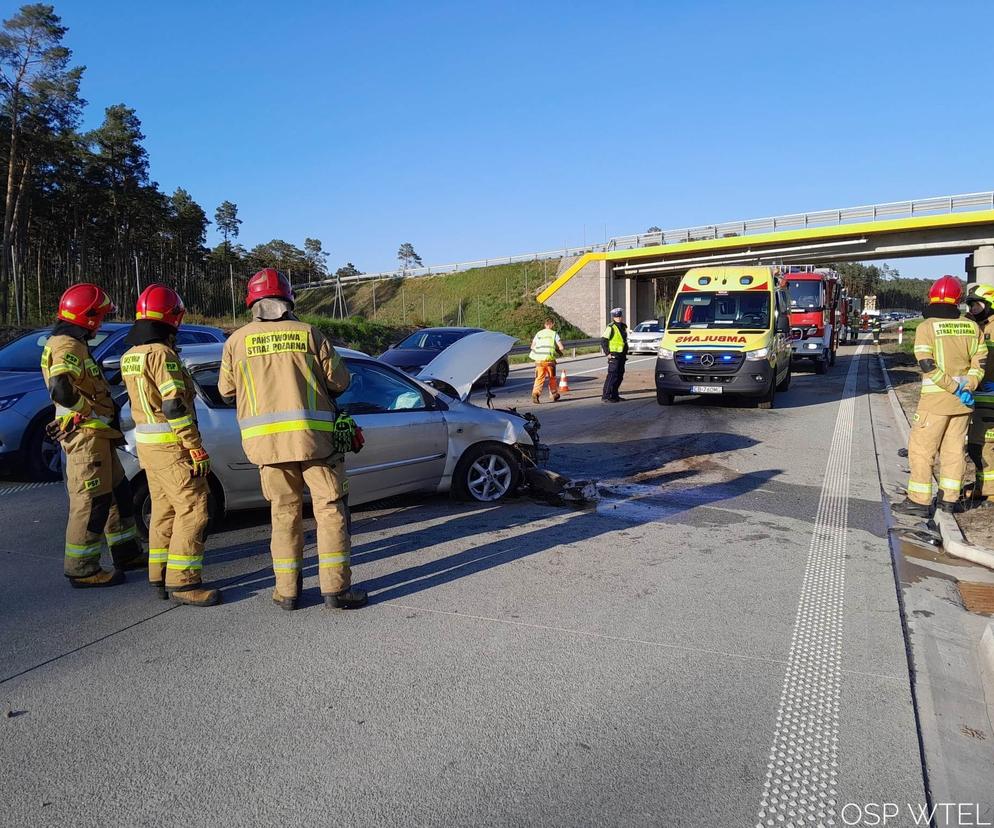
{"points": [[489, 478]]}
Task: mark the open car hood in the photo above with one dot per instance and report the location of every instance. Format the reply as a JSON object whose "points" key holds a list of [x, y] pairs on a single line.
{"points": [[466, 360]]}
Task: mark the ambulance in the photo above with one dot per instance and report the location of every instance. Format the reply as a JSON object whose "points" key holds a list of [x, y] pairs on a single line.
{"points": [[727, 333]]}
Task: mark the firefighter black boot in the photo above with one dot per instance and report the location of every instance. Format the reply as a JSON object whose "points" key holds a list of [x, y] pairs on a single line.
{"points": [[350, 598], [912, 509]]}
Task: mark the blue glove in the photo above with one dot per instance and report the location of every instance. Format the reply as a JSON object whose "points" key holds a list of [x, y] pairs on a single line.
{"points": [[986, 387], [965, 397]]}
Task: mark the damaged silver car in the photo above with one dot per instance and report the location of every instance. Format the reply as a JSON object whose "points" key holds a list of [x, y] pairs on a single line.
{"points": [[422, 434]]}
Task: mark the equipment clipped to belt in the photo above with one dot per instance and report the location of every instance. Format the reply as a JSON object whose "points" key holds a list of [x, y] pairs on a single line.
{"points": [[347, 435], [62, 427]]}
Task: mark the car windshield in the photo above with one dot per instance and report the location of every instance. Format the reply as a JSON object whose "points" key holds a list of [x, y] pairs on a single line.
{"points": [[648, 327], [24, 354], [804, 294], [432, 340], [739, 309]]}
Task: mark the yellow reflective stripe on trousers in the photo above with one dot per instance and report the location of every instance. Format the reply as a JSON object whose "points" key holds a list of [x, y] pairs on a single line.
{"points": [[949, 484], [185, 562], [333, 559], [90, 550], [920, 488], [157, 555], [286, 564], [120, 537]]}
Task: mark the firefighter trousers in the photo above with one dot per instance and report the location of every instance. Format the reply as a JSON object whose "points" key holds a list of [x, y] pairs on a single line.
{"points": [[179, 518], [943, 435], [283, 486], [981, 449], [545, 372], [101, 512]]}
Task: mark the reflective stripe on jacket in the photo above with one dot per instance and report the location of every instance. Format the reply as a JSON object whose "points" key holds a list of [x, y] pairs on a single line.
{"points": [[986, 400], [153, 375], [65, 355], [284, 375], [544, 346], [954, 345]]}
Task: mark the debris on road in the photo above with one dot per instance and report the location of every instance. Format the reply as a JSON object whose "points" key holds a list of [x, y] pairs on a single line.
{"points": [[556, 488]]}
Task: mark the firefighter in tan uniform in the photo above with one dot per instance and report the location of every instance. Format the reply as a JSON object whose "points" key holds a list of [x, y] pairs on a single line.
{"points": [[952, 358], [285, 375], [101, 512], [169, 449], [980, 443]]}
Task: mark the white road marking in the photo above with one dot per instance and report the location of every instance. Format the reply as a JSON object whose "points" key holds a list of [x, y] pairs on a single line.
{"points": [[23, 487], [577, 373], [800, 786]]}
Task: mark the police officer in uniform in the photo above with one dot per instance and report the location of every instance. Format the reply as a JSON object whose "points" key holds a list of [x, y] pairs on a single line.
{"points": [[285, 375], [614, 345], [170, 450], [952, 358], [101, 513]]}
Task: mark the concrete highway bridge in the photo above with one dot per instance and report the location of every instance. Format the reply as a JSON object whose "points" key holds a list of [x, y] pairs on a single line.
{"points": [[621, 273]]}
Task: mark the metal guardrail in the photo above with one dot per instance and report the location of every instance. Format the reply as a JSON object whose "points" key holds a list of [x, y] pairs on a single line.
{"points": [[795, 221]]}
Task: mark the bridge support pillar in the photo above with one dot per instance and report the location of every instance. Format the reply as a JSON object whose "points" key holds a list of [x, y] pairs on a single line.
{"points": [[605, 296], [983, 265]]}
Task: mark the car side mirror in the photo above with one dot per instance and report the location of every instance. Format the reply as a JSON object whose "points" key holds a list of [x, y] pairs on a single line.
{"points": [[112, 369]]}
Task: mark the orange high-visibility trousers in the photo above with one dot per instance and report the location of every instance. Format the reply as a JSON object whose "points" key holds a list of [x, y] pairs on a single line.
{"points": [[545, 372]]}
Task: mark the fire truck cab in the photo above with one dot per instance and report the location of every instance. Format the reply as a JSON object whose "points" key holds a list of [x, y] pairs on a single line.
{"points": [[814, 314]]}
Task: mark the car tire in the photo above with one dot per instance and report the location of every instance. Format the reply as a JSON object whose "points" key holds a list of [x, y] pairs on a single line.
{"points": [[831, 357], [42, 456], [662, 398], [821, 365], [503, 369], [785, 382], [469, 480], [142, 501]]}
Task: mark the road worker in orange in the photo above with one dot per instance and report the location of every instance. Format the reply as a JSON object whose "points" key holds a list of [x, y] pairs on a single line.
{"points": [[170, 449], [546, 346], [285, 376], [952, 357], [101, 512]]}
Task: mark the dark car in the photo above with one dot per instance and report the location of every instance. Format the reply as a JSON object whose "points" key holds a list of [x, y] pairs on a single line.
{"points": [[421, 347], [25, 407]]}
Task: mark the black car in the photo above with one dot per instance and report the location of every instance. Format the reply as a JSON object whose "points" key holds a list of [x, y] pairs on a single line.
{"points": [[421, 347]]}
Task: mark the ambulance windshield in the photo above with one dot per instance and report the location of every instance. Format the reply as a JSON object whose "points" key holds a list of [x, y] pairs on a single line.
{"points": [[736, 309]]}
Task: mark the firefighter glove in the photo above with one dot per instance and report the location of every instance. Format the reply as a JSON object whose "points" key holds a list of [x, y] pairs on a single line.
{"points": [[965, 396], [347, 435], [201, 462], [62, 427]]}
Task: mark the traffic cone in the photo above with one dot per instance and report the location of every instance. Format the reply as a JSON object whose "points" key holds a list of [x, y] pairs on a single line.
{"points": [[563, 383]]}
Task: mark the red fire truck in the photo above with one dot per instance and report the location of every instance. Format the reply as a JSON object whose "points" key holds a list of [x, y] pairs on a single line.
{"points": [[815, 314]]}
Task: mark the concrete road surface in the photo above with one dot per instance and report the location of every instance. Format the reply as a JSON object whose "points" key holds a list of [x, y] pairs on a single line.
{"points": [[717, 643]]}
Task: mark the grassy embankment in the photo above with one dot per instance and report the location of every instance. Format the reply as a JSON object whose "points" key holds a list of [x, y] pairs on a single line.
{"points": [[497, 298]]}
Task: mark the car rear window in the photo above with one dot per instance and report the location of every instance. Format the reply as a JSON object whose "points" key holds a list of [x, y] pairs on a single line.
{"points": [[24, 354], [432, 340]]}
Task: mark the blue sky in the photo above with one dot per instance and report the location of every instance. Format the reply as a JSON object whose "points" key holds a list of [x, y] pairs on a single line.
{"points": [[485, 129]]}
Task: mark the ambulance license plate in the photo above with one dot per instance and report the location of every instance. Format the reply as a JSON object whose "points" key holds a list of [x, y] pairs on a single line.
{"points": [[706, 389]]}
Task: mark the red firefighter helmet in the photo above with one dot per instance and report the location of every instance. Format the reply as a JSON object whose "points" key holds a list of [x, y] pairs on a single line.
{"points": [[85, 305], [945, 291], [268, 284], [160, 304]]}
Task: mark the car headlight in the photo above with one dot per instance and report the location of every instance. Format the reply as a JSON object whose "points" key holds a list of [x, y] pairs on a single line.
{"points": [[7, 402], [758, 354], [665, 353]]}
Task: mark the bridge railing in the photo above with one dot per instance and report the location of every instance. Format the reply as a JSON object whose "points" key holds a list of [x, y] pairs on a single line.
{"points": [[795, 221]]}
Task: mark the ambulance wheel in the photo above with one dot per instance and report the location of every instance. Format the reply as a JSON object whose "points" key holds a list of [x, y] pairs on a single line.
{"points": [[821, 365], [785, 382], [663, 398], [142, 501], [766, 402]]}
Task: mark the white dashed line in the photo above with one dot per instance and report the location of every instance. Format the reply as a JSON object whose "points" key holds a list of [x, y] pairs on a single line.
{"points": [[800, 786], [23, 487]]}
